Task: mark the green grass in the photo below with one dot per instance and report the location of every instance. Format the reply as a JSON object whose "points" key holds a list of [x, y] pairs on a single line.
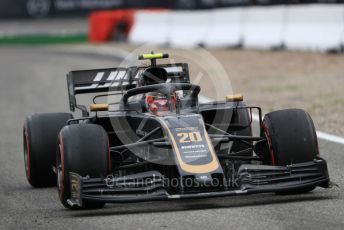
{"points": [[280, 88], [339, 101], [42, 39]]}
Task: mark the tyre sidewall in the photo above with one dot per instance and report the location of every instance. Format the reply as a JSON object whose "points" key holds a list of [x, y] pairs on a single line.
{"points": [[84, 150], [291, 136], [40, 134]]}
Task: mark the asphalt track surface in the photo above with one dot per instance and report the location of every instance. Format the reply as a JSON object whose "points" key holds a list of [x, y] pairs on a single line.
{"points": [[33, 80]]}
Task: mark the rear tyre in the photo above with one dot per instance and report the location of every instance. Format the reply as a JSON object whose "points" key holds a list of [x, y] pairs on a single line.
{"points": [[39, 136], [291, 139], [82, 149]]}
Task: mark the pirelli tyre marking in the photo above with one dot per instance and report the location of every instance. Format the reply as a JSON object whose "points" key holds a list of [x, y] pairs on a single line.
{"points": [[75, 187]]}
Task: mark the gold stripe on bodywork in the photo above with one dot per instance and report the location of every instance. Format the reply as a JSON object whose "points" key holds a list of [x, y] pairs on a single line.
{"points": [[234, 98], [99, 107], [206, 168]]}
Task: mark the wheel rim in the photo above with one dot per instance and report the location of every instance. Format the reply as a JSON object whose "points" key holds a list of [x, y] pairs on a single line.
{"points": [[25, 161], [60, 172], [268, 138], [26, 156]]}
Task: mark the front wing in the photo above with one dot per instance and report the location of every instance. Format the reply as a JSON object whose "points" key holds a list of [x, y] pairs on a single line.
{"points": [[250, 179]]}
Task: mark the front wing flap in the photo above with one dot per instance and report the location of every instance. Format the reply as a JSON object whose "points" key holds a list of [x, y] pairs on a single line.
{"points": [[250, 179]]}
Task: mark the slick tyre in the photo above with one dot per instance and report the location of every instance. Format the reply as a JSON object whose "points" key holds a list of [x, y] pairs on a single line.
{"points": [[82, 149], [39, 140], [291, 139]]}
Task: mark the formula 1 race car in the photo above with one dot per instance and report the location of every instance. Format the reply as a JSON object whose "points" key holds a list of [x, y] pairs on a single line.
{"points": [[153, 140]]}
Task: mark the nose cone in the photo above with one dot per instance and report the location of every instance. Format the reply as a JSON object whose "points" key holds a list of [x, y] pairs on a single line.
{"points": [[204, 179]]}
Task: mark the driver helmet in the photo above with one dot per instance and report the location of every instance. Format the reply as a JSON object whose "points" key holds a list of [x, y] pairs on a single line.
{"points": [[152, 76], [158, 102]]}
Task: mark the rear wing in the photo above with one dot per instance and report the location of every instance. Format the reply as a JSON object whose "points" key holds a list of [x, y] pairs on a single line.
{"points": [[116, 79]]}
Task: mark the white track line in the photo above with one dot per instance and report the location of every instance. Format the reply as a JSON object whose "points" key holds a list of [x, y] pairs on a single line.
{"points": [[330, 137], [321, 135]]}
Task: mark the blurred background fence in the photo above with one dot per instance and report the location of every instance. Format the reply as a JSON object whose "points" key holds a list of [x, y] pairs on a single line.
{"points": [[314, 27], [44, 8], [254, 24]]}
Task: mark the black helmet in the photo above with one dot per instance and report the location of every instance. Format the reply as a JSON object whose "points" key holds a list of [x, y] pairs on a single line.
{"points": [[153, 75]]}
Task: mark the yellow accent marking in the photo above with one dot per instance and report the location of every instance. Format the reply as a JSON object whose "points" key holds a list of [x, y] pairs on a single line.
{"points": [[99, 107], [151, 56], [234, 98]]}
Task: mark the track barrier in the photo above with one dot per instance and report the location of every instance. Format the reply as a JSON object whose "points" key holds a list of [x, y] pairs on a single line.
{"points": [[313, 27]]}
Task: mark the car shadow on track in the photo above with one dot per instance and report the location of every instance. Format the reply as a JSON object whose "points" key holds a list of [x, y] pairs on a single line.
{"points": [[201, 204]]}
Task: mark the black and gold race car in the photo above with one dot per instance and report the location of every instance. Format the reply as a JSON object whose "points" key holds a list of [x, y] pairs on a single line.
{"points": [[149, 138]]}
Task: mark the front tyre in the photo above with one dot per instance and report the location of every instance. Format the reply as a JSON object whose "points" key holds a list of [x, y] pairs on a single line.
{"points": [[291, 139], [82, 149]]}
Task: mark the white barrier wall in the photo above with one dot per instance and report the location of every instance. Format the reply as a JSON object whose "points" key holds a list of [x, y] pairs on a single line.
{"points": [[149, 27], [314, 27], [226, 28], [317, 27], [264, 27], [188, 28]]}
